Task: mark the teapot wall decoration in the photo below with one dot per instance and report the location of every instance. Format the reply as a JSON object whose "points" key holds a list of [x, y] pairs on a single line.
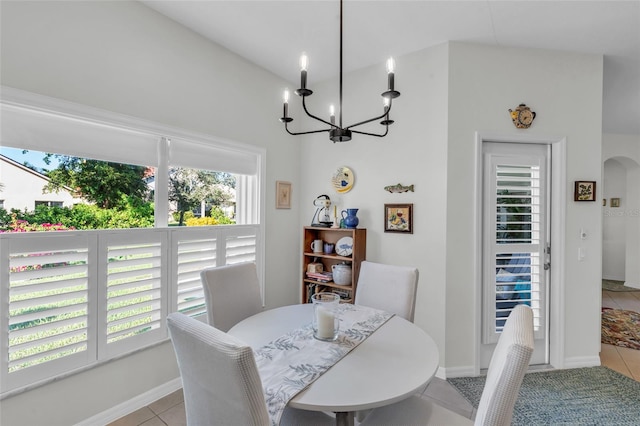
{"points": [[522, 116]]}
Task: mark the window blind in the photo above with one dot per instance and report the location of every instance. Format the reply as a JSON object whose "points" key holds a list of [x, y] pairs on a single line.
{"points": [[39, 130], [199, 155]]}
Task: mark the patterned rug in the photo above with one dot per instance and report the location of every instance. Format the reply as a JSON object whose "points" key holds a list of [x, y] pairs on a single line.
{"points": [[621, 328], [580, 396], [611, 285]]}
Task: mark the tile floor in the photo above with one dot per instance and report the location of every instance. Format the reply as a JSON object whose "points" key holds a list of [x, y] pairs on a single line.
{"points": [[169, 411]]}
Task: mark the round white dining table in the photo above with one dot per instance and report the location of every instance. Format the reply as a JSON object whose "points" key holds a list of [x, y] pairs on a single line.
{"points": [[393, 363]]}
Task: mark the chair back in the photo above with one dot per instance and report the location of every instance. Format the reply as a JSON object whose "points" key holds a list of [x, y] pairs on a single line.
{"points": [[220, 378], [231, 293], [507, 368], [388, 287]]}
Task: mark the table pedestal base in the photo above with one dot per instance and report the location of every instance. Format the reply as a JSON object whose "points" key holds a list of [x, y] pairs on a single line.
{"points": [[344, 418]]}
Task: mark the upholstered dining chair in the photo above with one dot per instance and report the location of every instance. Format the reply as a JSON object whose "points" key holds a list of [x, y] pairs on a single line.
{"points": [[388, 287], [220, 379], [506, 371], [231, 293]]}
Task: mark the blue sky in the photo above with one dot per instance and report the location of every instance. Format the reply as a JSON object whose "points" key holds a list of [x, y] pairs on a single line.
{"points": [[32, 157]]}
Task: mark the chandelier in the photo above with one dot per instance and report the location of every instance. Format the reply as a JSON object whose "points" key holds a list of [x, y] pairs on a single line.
{"points": [[338, 132]]}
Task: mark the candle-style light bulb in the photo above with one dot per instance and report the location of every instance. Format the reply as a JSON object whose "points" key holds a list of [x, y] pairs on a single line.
{"points": [[285, 107], [391, 66], [332, 114], [386, 102], [304, 63]]}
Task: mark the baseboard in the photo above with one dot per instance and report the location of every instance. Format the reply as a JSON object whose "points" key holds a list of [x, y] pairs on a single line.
{"points": [[610, 278], [133, 404], [632, 285], [447, 373], [579, 362]]}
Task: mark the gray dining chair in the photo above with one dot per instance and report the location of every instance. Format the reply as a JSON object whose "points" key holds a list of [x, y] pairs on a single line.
{"points": [[231, 293], [506, 371], [388, 287], [220, 379]]}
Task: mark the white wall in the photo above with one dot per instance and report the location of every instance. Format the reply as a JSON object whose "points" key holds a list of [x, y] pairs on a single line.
{"points": [[124, 57], [414, 153], [621, 162], [565, 90], [613, 222], [449, 93]]}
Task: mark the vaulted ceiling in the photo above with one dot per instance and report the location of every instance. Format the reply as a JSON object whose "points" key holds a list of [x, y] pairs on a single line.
{"points": [[272, 34]]}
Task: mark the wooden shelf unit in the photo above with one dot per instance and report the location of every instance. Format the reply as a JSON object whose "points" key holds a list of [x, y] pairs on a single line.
{"points": [[332, 235]]}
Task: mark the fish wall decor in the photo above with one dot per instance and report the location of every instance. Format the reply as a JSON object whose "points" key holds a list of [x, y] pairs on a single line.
{"points": [[399, 188]]}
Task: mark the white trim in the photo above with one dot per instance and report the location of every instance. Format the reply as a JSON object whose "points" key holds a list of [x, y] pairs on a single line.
{"points": [[133, 404], [558, 220], [581, 361], [466, 371]]}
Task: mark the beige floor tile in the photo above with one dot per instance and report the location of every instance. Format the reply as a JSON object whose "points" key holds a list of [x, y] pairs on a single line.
{"points": [[134, 419], [155, 421], [175, 416], [631, 358], [442, 393], [163, 404]]}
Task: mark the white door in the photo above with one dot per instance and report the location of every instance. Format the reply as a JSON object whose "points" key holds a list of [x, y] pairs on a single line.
{"points": [[516, 240]]}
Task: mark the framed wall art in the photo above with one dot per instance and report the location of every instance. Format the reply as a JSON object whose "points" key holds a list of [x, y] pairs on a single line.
{"points": [[584, 190], [283, 195], [615, 202], [398, 218]]}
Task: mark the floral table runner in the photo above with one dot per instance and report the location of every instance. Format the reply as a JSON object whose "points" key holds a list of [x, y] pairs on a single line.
{"points": [[292, 362]]}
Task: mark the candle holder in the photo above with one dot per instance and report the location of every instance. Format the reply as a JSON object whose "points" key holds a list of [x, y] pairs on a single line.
{"points": [[326, 323]]}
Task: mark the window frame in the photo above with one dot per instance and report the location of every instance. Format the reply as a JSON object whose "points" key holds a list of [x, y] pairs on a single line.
{"points": [[249, 219]]}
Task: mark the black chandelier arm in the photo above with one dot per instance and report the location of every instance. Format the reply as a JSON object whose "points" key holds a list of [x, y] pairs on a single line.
{"points": [[384, 114], [373, 134], [304, 106], [304, 133]]}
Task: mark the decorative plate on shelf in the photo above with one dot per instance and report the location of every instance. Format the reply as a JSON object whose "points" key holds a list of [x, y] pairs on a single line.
{"points": [[344, 246], [343, 180]]}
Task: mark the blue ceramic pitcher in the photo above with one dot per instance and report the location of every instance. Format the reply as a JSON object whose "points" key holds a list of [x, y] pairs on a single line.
{"points": [[350, 218]]}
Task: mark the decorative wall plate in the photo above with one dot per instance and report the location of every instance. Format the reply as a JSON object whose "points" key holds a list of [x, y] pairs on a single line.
{"points": [[344, 246], [343, 180]]}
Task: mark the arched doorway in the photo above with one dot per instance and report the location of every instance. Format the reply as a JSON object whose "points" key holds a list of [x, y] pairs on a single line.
{"points": [[621, 221]]}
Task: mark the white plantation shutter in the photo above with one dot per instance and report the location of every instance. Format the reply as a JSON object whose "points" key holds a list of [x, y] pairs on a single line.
{"points": [[48, 307], [241, 245], [78, 298], [134, 289], [195, 250], [515, 212]]}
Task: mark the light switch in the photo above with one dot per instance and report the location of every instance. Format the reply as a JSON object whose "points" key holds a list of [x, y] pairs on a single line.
{"points": [[582, 253]]}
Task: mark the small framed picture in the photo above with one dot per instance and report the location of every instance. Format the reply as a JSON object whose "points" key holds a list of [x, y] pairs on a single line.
{"points": [[398, 218], [283, 195], [615, 202], [584, 190]]}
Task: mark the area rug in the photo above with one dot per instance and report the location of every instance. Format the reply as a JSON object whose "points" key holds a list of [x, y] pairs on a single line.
{"points": [[611, 285], [580, 396], [621, 328]]}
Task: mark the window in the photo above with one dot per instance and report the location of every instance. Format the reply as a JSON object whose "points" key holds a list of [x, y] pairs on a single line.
{"points": [[78, 298], [49, 203]]}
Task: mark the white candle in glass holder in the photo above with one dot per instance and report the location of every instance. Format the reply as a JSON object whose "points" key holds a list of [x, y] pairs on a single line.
{"points": [[325, 320]]}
